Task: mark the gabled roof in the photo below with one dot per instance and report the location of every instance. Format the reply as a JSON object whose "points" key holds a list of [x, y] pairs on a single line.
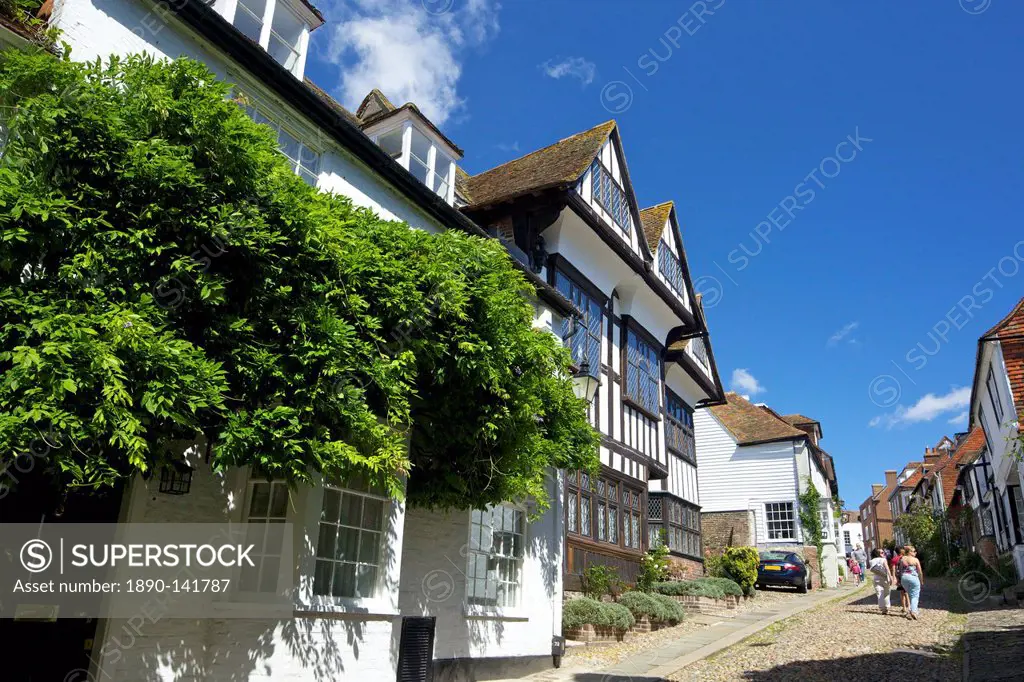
{"points": [[375, 108], [795, 419], [751, 424], [1010, 333], [948, 470], [1011, 325], [559, 164], [653, 220]]}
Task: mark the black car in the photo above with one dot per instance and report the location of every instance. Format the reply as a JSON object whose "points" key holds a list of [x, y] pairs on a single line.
{"points": [[783, 568]]}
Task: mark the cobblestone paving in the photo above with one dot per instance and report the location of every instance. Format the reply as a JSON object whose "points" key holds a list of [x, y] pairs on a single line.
{"points": [[994, 644], [848, 639]]}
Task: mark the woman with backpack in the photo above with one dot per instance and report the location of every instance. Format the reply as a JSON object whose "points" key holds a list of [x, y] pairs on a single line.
{"points": [[882, 575]]}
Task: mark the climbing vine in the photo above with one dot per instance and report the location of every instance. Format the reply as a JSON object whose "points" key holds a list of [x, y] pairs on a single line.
{"points": [[810, 521], [166, 277]]}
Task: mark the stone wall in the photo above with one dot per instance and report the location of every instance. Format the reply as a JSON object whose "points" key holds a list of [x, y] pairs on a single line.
{"points": [[727, 529]]}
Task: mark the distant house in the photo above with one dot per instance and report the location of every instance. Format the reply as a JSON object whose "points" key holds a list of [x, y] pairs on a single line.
{"points": [[852, 532], [875, 514], [936, 487], [997, 405], [755, 464]]}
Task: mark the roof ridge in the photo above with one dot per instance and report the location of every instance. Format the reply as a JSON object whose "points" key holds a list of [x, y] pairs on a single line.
{"points": [[664, 203], [610, 122]]}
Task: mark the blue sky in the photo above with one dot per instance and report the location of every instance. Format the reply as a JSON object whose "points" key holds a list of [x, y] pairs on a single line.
{"points": [[848, 304]]}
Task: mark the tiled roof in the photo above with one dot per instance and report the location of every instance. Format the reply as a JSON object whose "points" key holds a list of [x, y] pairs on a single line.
{"points": [[375, 108], [561, 163], [750, 424], [331, 102], [949, 469], [912, 480], [653, 220], [1009, 331], [1011, 325], [795, 419]]}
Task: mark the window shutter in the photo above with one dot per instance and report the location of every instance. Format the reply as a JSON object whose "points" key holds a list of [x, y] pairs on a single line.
{"points": [[416, 650]]}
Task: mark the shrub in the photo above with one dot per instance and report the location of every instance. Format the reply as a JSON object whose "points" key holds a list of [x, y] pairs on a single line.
{"points": [[672, 611], [641, 604], [694, 588], [713, 564], [740, 564], [585, 611], [727, 586], [597, 581], [654, 567]]}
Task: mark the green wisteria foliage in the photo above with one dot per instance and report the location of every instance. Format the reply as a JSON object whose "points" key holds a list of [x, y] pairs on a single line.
{"points": [[165, 277]]}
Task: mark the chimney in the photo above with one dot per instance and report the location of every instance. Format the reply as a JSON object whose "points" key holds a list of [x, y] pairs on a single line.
{"points": [[890, 478], [876, 488]]}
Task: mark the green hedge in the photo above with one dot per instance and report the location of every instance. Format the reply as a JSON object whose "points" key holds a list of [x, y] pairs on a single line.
{"points": [[585, 611], [713, 588], [672, 611], [729, 587]]}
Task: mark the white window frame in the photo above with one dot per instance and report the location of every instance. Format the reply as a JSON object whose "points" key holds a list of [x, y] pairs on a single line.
{"points": [[256, 105], [472, 555], [992, 384], [379, 560], [231, 10], [433, 153], [768, 511], [824, 516], [289, 518]]}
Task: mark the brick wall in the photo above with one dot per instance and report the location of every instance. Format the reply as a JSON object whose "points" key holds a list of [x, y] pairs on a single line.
{"points": [[727, 529], [686, 569], [811, 559]]}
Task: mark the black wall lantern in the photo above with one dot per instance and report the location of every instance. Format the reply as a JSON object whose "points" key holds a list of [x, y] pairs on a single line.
{"points": [[176, 478]]}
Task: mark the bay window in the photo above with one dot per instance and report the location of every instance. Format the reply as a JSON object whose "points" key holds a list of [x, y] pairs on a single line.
{"points": [[679, 436], [643, 373], [610, 196], [421, 154], [276, 26], [675, 523], [671, 269], [583, 337], [602, 509]]}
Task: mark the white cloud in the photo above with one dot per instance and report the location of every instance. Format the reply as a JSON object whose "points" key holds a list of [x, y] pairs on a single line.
{"points": [[960, 418], [508, 147], [843, 333], [572, 67], [927, 409], [744, 382], [409, 53]]}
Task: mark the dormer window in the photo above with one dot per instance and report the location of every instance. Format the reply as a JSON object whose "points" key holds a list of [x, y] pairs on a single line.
{"points": [[281, 27], [422, 155]]}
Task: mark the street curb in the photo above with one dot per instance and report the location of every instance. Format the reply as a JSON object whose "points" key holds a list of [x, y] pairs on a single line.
{"points": [[731, 639]]}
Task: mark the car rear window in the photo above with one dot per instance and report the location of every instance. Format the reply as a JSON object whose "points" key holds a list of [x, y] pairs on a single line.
{"points": [[780, 556]]}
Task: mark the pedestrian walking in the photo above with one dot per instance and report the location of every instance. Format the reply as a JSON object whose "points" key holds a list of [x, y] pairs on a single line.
{"points": [[861, 558], [897, 569], [912, 579], [855, 571], [883, 578]]}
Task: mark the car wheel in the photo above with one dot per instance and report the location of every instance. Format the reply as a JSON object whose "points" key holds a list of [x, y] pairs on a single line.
{"points": [[803, 587]]}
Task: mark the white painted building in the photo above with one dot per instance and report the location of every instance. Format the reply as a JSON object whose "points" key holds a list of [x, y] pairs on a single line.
{"points": [[851, 531], [997, 403], [371, 585], [754, 464], [569, 211]]}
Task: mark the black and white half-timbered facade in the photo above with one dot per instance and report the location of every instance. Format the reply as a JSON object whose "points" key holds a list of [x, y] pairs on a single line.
{"points": [[569, 212]]}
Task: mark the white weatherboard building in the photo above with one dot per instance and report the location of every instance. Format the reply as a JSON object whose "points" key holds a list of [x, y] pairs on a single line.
{"points": [[851, 532], [754, 464], [997, 403], [381, 589], [569, 211]]}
